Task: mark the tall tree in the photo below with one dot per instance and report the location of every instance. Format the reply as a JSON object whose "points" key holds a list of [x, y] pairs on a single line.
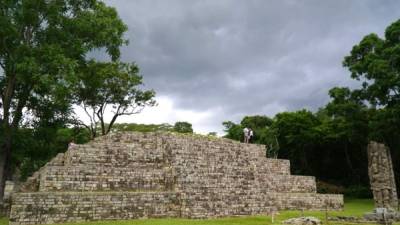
{"points": [[112, 86], [41, 45], [297, 137], [348, 130], [376, 62], [263, 130]]}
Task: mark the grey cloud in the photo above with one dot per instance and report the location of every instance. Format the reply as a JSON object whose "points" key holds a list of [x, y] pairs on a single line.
{"points": [[248, 57]]}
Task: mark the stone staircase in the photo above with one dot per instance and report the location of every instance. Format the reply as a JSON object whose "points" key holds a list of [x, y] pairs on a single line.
{"points": [[142, 175]]}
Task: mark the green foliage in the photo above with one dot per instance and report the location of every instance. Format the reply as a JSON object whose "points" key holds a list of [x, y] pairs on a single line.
{"points": [[212, 134], [328, 188], [329, 144], [111, 86], [264, 132], [43, 44], [256, 121], [376, 62], [183, 127], [356, 191], [142, 127], [233, 131], [35, 147], [298, 136]]}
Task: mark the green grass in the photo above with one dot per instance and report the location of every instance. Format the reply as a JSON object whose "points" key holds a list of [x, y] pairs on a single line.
{"points": [[3, 221], [353, 207]]}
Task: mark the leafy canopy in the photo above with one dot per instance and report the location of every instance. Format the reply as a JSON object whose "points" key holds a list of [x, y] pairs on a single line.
{"points": [[112, 86]]}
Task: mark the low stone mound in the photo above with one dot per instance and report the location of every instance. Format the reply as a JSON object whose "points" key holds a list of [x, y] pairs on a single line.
{"points": [[303, 221], [143, 175]]}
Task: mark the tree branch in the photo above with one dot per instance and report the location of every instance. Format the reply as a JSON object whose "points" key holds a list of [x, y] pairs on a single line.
{"points": [[7, 97], [100, 115], [91, 130], [20, 106], [113, 120]]}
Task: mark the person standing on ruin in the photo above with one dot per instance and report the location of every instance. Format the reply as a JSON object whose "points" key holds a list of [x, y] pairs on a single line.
{"points": [[246, 135], [71, 144], [251, 134]]}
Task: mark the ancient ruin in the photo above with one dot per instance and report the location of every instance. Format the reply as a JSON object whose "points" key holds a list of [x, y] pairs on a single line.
{"points": [[383, 186], [380, 171], [143, 175]]}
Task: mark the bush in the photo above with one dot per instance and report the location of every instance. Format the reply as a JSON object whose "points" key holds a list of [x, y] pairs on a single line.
{"points": [[328, 188], [358, 192]]}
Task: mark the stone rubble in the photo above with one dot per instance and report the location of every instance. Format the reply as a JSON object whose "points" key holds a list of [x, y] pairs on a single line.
{"points": [[303, 221]]}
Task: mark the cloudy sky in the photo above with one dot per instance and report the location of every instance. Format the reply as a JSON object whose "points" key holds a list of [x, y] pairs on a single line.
{"points": [[216, 60]]}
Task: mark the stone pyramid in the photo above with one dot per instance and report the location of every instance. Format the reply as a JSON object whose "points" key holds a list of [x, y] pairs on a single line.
{"points": [[151, 175]]}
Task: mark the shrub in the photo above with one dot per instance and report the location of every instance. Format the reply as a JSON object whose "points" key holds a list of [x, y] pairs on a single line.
{"points": [[358, 192], [328, 188]]}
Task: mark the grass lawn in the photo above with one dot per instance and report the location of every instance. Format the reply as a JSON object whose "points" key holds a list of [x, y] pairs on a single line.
{"points": [[353, 207]]}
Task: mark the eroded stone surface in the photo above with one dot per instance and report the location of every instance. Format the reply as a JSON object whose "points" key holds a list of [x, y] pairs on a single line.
{"points": [[142, 175], [389, 216], [380, 169], [303, 221]]}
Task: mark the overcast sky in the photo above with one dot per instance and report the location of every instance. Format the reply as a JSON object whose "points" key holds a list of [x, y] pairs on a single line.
{"points": [[215, 60]]}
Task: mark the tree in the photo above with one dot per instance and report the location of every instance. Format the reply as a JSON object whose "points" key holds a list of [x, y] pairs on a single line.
{"points": [[264, 132], [376, 62], [183, 127], [42, 43], [256, 121], [110, 85], [164, 127], [348, 130], [212, 134], [298, 137], [233, 131]]}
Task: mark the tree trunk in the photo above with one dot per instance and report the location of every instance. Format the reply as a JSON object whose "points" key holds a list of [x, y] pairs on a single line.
{"points": [[5, 153], [111, 123], [5, 148], [353, 176]]}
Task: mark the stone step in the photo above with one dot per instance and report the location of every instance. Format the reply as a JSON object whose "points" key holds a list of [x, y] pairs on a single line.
{"points": [[286, 183], [118, 157], [256, 200], [180, 143], [306, 201], [234, 182], [61, 207], [272, 166], [99, 178], [156, 177]]}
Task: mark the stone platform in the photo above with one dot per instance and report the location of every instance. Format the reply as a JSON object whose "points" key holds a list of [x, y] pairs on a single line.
{"points": [[150, 175]]}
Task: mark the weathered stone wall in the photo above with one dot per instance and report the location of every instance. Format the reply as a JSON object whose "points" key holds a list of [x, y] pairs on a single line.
{"points": [[380, 170], [5, 204], [94, 178], [160, 174], [57, 207]]}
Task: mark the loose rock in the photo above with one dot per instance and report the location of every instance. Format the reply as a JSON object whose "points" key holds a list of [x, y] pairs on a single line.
{"points": [[303, 221]]}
